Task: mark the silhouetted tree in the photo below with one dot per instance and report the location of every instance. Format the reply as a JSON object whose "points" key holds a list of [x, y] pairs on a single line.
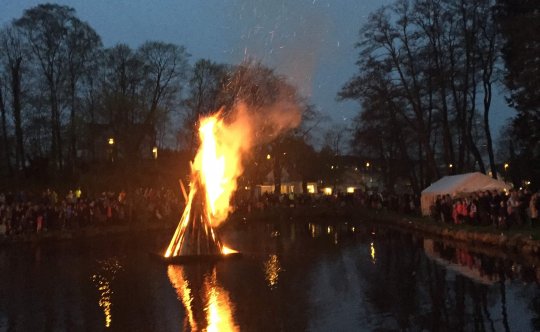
{"points": [[14, 55], [519, 22], [423, 64], [205, 85]]}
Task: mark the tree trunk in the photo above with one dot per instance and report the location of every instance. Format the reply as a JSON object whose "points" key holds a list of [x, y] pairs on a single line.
{"points": [[56, 140], [489, 142], [5, 144], [17, 109], [72, 129], [277, 173]]}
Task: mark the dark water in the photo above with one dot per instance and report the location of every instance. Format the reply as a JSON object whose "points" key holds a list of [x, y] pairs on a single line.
{"points": [[293, 277]]}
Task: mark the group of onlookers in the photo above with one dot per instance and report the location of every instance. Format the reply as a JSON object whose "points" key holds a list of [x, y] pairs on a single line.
{"points": [[501, 209], [402, 203], [35, 212]]}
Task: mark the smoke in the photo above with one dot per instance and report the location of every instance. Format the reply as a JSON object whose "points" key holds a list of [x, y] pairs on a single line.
{"points": [[289, 35], [265, 124]]}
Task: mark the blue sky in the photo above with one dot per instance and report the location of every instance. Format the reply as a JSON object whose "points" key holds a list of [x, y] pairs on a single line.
{"points": [[310, 41]]}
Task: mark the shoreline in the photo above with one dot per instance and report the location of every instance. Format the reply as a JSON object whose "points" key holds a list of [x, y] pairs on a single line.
{"points": [[86, 233], [515, 242]]}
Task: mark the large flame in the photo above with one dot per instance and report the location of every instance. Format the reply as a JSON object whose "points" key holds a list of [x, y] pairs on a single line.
{"points": [[215, 170], [219, 163]]}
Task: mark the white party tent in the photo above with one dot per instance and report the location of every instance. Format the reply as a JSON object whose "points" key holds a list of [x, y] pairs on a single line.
{"points": [[456, 184]]}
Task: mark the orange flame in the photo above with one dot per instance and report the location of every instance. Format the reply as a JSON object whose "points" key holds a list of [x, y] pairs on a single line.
{"points": [[218, 164]]}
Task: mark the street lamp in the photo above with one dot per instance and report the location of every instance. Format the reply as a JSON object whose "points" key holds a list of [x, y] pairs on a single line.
{"points": [[154, 152], [506, 165], [110, 142]]}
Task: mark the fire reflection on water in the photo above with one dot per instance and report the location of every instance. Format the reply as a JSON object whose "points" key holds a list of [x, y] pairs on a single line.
{"points": [[208, 305], [103, 280], [271, 270]]}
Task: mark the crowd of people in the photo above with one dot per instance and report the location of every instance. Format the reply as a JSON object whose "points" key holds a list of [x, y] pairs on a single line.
{"points": [[30, 212], [402, 203], [35, 212], [500, 209]]}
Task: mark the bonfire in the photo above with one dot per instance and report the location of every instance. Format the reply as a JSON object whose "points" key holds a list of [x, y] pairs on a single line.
{"points": [[214, 171]]}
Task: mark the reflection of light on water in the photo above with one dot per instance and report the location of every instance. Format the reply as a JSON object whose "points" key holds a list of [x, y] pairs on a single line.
{"points": [[271, 270], [314, 230], [372, 252], [103, 280], [215, 305], [218, 310], [184, 292]]}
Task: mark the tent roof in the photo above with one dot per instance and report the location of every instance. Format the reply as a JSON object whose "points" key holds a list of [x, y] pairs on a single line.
{"points": [[468, 182]]}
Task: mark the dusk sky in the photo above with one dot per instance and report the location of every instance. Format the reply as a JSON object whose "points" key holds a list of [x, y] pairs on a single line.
{"points": [[310, 41]]}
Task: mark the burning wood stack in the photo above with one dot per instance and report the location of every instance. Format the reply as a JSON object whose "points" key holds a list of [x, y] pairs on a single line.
{"points": [[194, 235]]}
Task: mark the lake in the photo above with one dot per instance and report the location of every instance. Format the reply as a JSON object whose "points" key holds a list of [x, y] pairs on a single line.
{"points": [[293, 276]]}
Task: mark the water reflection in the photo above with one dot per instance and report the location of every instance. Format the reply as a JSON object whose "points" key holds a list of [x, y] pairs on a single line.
{"points": [[103, 280], [208, 305], [309, 284], [372, 253], [271, 270]]}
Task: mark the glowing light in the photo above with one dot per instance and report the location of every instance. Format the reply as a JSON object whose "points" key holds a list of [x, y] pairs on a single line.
{"points": [[103, 281], [183, 291], [506, 165], [367, 164], [350, 190], [271, 270], [110, 141], [372, 253], [311, 188], [226, 250], [327, 191], [206, 297], [218, 310], [154, 152], [268, 156], [450, 165], [215, 169]]}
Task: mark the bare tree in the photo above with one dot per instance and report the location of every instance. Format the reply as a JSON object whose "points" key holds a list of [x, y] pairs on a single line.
{"points": [[83, 46], [205, 85], [3, 115], [165, 68], [46, 28], [13, 55]]}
